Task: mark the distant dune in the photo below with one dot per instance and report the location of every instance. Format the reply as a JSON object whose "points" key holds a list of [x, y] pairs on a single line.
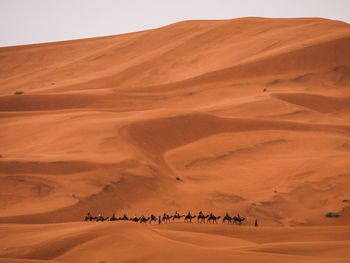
{"points": [[251, 114]]}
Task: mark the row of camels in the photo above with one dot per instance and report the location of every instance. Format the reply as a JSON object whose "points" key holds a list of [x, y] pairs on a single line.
{"points": [[201, 218]]}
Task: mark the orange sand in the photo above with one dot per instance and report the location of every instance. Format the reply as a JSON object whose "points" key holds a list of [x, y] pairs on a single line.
{"points": [[107, 124]]}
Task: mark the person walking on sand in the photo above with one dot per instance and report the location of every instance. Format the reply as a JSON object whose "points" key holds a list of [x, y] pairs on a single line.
{"points": [[256, 223], [159, 220]]}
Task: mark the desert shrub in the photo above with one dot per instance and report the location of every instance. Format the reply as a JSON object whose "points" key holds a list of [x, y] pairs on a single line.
{"points": [[253, 204], [265, 89], [101, 261], [179, 179], [74, 196], [332, 214], [0, 156], [344, 201], [19, 92]]}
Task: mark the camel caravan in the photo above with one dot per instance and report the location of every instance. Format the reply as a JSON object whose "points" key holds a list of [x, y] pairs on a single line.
{"points": [[201, 218]]}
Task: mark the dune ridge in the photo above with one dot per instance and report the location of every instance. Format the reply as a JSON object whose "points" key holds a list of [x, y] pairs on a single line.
{"points": [[247, 115]]}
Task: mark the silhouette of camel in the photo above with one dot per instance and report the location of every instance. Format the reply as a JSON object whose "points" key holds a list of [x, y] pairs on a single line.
{"points": [[123, 218], [101, 218], [113, 218], [177, 216], [89, 218], [166, 218], [201, 218], [189, 218], [153, 218], [238, 219], [228, 219], [135, 219], [144, 219], [213, 219]]}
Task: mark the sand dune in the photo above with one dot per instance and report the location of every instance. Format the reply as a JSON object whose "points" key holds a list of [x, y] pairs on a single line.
{"points": [[108, 124], [125, 242]]}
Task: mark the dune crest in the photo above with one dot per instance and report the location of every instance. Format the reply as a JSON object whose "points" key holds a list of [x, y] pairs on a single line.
{"points": [[246, 116]]}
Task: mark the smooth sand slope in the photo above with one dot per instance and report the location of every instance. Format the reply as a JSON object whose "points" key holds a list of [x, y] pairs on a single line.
{"points": [[107, 124]]}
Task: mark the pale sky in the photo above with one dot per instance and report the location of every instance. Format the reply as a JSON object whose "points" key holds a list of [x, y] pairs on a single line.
{"points": [[37, 21]]}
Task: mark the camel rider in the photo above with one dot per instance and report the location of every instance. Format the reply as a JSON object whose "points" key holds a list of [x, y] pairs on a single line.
{"points": [[176, 214], [201, 213], [100, 215], [165, 215], [134, 217], [227, 215], [89, 215], [189, 214]]}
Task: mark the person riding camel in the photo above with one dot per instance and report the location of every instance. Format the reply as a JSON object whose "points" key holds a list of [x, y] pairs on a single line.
{"points": [[134, 217], [176, 214], [89, 216], [189, 214], [200, 213], [100, 216], [113, 218]]}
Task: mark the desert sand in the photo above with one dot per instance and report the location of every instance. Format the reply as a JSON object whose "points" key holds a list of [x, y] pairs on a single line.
{"points": [[252, 115]]}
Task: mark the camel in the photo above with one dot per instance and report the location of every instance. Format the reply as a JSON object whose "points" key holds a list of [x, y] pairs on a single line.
{"points": [[227, 218], [238, 219], [113, 218], [144, 219], [101, 218], [177, 216], [89, 218], [166, 218], [135, 219], [153, 218], [189, 217], [124, 218], [201, 218], [213, 218]]}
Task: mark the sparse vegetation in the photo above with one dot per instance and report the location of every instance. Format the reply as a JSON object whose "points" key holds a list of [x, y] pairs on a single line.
{"points": [[253, 204], [265, 89], [332, 214], [19, 92], [0, 156], [101, 261], [74, 196], [344, 201]]}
